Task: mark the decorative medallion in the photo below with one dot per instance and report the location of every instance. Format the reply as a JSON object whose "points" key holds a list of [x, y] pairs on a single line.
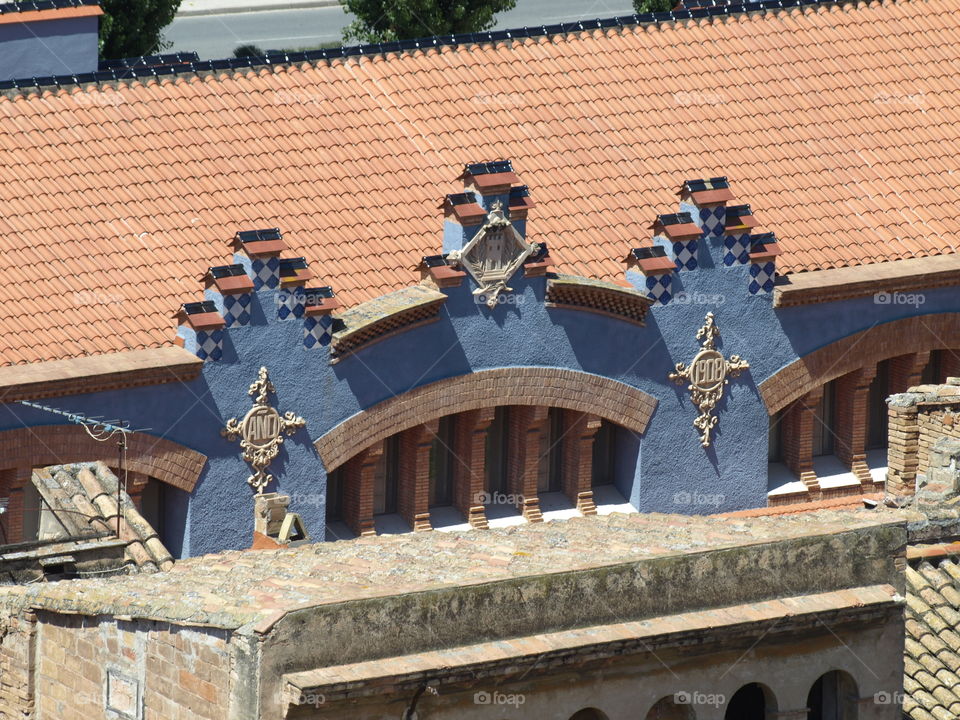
{"points": [[494, 254], [708, 373], [261, 431]]}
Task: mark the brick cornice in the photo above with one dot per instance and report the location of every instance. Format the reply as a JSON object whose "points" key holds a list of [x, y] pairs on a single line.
{"points": [[43, 445], [538, 386], [868, 347]]}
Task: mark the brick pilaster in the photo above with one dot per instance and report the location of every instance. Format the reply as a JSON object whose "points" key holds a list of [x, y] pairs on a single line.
{"points": [[903, 451], [358, 481], [527, 423], [852, 399], [470, 455], [906, 371], [798, 427], [413, 502], [579, 429], [950, 363], [136, 484]]}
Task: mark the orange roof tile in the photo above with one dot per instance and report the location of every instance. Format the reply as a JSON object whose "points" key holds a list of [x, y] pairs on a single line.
{"points": [[833, 122]]}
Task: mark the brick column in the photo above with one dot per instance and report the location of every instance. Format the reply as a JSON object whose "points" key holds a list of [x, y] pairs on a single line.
{"points": [[906, 371], [797, 428], [903, 451], [469, 472], [579, 429], [850, 445], [358, 480], [413, 499], [527, 423]]}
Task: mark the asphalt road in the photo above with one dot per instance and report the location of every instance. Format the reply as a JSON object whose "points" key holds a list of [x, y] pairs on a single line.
{"points": [[215, 36]]}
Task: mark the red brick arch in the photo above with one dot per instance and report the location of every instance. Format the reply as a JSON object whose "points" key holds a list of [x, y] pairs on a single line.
{"points": [[552, 387], [162, 459], [899, 337]]}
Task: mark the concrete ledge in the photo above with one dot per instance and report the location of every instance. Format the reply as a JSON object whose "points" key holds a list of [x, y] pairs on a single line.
{"points": [[96, 373]]}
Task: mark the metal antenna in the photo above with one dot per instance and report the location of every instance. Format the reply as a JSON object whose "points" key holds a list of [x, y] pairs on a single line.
{"points": [[101, 431]]}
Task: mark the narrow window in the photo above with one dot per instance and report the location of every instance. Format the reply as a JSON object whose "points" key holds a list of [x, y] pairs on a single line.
{"points": [[604, 453], [441, 464], [877, 407], [387, 477], [334, 511], [496, 451]]}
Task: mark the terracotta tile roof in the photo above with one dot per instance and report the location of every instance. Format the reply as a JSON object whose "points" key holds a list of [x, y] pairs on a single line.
{"points": [[83, 497], [931, 678], [838, 124]]}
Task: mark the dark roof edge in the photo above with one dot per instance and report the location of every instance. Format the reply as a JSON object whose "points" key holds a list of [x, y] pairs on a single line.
{"points": [[39, 5], [272, 59]]}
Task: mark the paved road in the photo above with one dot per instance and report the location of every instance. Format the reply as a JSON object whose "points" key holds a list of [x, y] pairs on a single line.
{"points": [[215, 36]]}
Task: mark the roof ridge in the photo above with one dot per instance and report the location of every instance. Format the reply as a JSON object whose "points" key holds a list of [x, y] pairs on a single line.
{"points": [[274, 59]]}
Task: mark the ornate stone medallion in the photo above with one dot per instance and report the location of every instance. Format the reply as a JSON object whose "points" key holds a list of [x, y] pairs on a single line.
{"points": [[261, 431], [708, 373], [494, 254]]}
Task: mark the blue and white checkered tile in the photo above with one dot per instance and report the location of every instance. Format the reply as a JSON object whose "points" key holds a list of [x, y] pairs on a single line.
{"points": [[658, 288], [762, 276], [236, 309], [210, 344], [317, 331], [712, 220], [736, 250], [290, 303], [266, 273], [685, 255]]}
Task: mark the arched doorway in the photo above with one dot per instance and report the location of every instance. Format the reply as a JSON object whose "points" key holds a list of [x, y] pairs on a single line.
{"points": [[834, 696], [751, 702], [668, 709], [588, 714]]}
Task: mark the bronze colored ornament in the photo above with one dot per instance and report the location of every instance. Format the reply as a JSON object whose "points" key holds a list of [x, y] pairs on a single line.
{"points": [[708, 374], [261, 431]]}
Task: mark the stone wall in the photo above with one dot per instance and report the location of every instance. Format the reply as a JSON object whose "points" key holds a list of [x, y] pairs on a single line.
{"points": [[918, 419], [17, 633]]}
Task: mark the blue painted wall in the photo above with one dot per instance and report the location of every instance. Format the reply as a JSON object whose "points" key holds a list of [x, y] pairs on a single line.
{"points": [[667, 470], [48, 47]]}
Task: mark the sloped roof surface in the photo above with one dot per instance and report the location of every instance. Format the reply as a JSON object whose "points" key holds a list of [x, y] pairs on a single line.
{"points": [[83, 497], [839, 124], [932, 653]]}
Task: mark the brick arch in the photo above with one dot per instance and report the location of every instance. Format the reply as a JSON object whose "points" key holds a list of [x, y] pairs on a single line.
{"points": [[880, 342], [553, 387], [163, 459]]}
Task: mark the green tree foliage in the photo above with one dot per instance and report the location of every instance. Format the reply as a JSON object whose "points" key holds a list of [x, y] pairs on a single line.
{"points": [[242, 51], [646, 6], [129, 28], [388, 20]]}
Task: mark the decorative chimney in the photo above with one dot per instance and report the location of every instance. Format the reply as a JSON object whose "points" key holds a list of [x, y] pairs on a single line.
{"points": [[201, 329], [705, 201], [736, 241], [318, 322], [763, 263], [261, 248], [293, 274], [436, 271], [679, 233], [231, 289], [655, 271], [487, 186]]}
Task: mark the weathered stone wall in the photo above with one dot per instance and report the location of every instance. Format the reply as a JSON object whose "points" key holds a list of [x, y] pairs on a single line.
{"points": [[151, 671], [918, 418], [16, 662]]}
